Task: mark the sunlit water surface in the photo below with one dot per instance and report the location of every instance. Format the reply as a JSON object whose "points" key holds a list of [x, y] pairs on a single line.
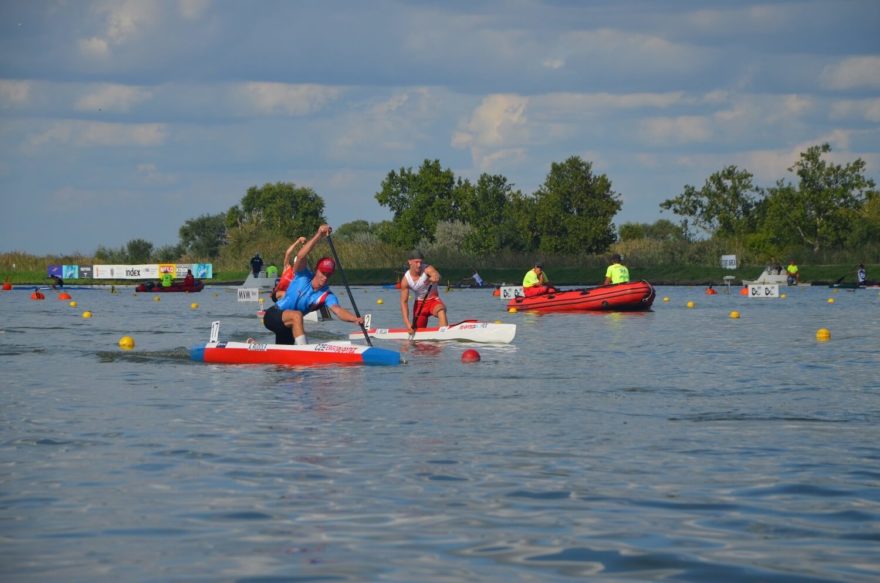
{"points": [[678, 445]]}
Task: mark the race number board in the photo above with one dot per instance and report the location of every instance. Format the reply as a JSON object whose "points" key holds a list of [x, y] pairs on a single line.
{"points": [[763, 290]]}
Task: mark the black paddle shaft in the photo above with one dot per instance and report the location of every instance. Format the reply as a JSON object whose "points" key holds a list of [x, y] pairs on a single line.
{"points": [[348, 289]]}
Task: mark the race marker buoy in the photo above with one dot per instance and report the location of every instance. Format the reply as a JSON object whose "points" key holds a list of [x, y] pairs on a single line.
{"points": [[823, 334], [691, 304], [496, 292], [783, 296], [734, 314], [744, 291], [126, 343], [37, 295], [73, 304], [830, 300], [7, 286], [666, 298], [512, 310], [87, 314], [157, 299], [380, 301], [470, 355], [64, 296], [194, 306]]}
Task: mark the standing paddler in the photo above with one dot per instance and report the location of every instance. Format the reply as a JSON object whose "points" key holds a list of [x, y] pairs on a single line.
{"points": [[423, 280]]}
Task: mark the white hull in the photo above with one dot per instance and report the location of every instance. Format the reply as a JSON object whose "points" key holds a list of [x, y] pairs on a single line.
{"points": [[486, 332]]}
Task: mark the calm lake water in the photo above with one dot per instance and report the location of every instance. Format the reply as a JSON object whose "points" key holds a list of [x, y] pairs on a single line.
{"points": [[677, 445]]}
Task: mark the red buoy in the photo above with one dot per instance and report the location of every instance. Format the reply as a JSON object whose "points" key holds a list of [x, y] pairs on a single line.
{"points": [[470, 355]]}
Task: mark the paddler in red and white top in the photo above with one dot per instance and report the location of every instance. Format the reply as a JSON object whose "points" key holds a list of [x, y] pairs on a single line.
{"points": [[423, 280]]}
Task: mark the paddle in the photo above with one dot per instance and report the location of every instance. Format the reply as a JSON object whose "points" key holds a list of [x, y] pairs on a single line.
{"points": [[839, 279], [348, 289], [412, 335]]}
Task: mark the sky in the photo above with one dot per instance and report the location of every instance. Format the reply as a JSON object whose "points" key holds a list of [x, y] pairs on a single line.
{"points": [[123, 119]]}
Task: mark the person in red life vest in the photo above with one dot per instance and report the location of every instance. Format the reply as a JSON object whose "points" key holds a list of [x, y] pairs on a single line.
{"points": [[536, 282], [189, 281], [423, 280], [37, 295], [287, 271], [307, 292]]}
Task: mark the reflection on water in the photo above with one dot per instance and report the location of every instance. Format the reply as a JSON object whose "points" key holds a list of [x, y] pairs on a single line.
{"points": [[676, 444]]}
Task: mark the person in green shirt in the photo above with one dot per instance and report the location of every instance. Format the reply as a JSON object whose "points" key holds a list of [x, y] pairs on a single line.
{"points": [[617, 271], [167, 279], [794, 277], [536, 282]]}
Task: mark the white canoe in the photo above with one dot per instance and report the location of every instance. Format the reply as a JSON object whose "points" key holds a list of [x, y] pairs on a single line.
{"points": [[467, 331]]}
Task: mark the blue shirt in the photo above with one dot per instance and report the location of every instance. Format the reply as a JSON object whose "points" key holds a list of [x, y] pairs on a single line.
{"points": [[301, 297]]}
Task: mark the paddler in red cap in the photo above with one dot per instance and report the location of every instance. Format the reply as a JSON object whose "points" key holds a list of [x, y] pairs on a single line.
{"points": [[307, 292]]}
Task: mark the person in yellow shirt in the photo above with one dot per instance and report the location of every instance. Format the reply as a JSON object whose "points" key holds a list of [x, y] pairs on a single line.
{"points": [[617, 271], [536, 282], [794, 277]]}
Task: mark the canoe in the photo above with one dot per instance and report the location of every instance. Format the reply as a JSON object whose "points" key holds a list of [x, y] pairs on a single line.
{"points": [[326, 353], [175, 287], [622, 297], [466, 331]]}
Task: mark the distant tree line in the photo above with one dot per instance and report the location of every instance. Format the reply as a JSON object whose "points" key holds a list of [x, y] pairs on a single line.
{"points": [[571, 213]]}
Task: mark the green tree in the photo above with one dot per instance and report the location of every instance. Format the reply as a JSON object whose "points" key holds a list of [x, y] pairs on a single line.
{"points": [[282, 208], [350, 231], [821, 210], [418, 201], [139, 251], [202, 237], [487, 207], [724, 206], [575, 209], [660, 230], [168, 253]]}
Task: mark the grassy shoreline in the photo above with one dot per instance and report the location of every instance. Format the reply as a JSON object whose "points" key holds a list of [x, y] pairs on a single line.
{"points": [[657, 275]]}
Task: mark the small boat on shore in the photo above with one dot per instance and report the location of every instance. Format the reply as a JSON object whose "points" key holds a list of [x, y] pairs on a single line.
{"points": [[174, 287], [466, 331], [622, 297]]}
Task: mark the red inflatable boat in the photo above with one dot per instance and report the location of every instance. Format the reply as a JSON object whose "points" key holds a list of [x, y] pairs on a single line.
{"points": [[622, 297]]}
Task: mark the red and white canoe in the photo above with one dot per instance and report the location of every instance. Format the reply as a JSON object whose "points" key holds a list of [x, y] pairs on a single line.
{"points": [[336, 352], [466, 331]]}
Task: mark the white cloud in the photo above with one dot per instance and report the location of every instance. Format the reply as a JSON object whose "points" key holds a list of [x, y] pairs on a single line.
{"points": [[630, 51], [116, 98], [853, 73], [150, 174], [857, 109], [89, 134], [288, 99], [123, 21], [683, 129], [497, 121], [193, 9], [14, 92]]}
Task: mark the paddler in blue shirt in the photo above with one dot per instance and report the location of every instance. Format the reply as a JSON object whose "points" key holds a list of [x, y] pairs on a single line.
{"points": [[617, 271], [307, 292]]}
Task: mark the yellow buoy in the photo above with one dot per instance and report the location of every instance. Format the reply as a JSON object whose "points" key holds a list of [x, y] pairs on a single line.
{"points": [[691, 304], [157, 299], [497, 321], [126, 343], [512, 310], [823, 334], [830, 300], [73, 304], [734, 314], [380, 301], [665, 298], [87, 314], [782, 296], [194, 306]]}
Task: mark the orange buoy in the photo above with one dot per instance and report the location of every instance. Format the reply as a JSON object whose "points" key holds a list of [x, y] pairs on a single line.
{"points": [[744, 291], [7, 286], [64, 296], [711, 292], [470, 355], [496, 292], [37, 295]]}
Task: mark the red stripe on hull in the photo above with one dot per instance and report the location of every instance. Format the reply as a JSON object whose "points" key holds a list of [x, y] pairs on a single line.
{"points": [[244, 356]]}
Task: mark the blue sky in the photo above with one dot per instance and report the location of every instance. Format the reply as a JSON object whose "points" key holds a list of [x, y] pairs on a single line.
{"points": [[123, 119]]}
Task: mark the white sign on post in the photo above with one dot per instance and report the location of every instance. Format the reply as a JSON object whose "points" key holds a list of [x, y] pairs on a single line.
{"points": [[511, 291], [248, 294], [763, 290], [728, 262]]}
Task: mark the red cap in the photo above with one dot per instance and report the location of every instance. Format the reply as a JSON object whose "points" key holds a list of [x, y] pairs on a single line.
{"points": [[326, 266]]}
